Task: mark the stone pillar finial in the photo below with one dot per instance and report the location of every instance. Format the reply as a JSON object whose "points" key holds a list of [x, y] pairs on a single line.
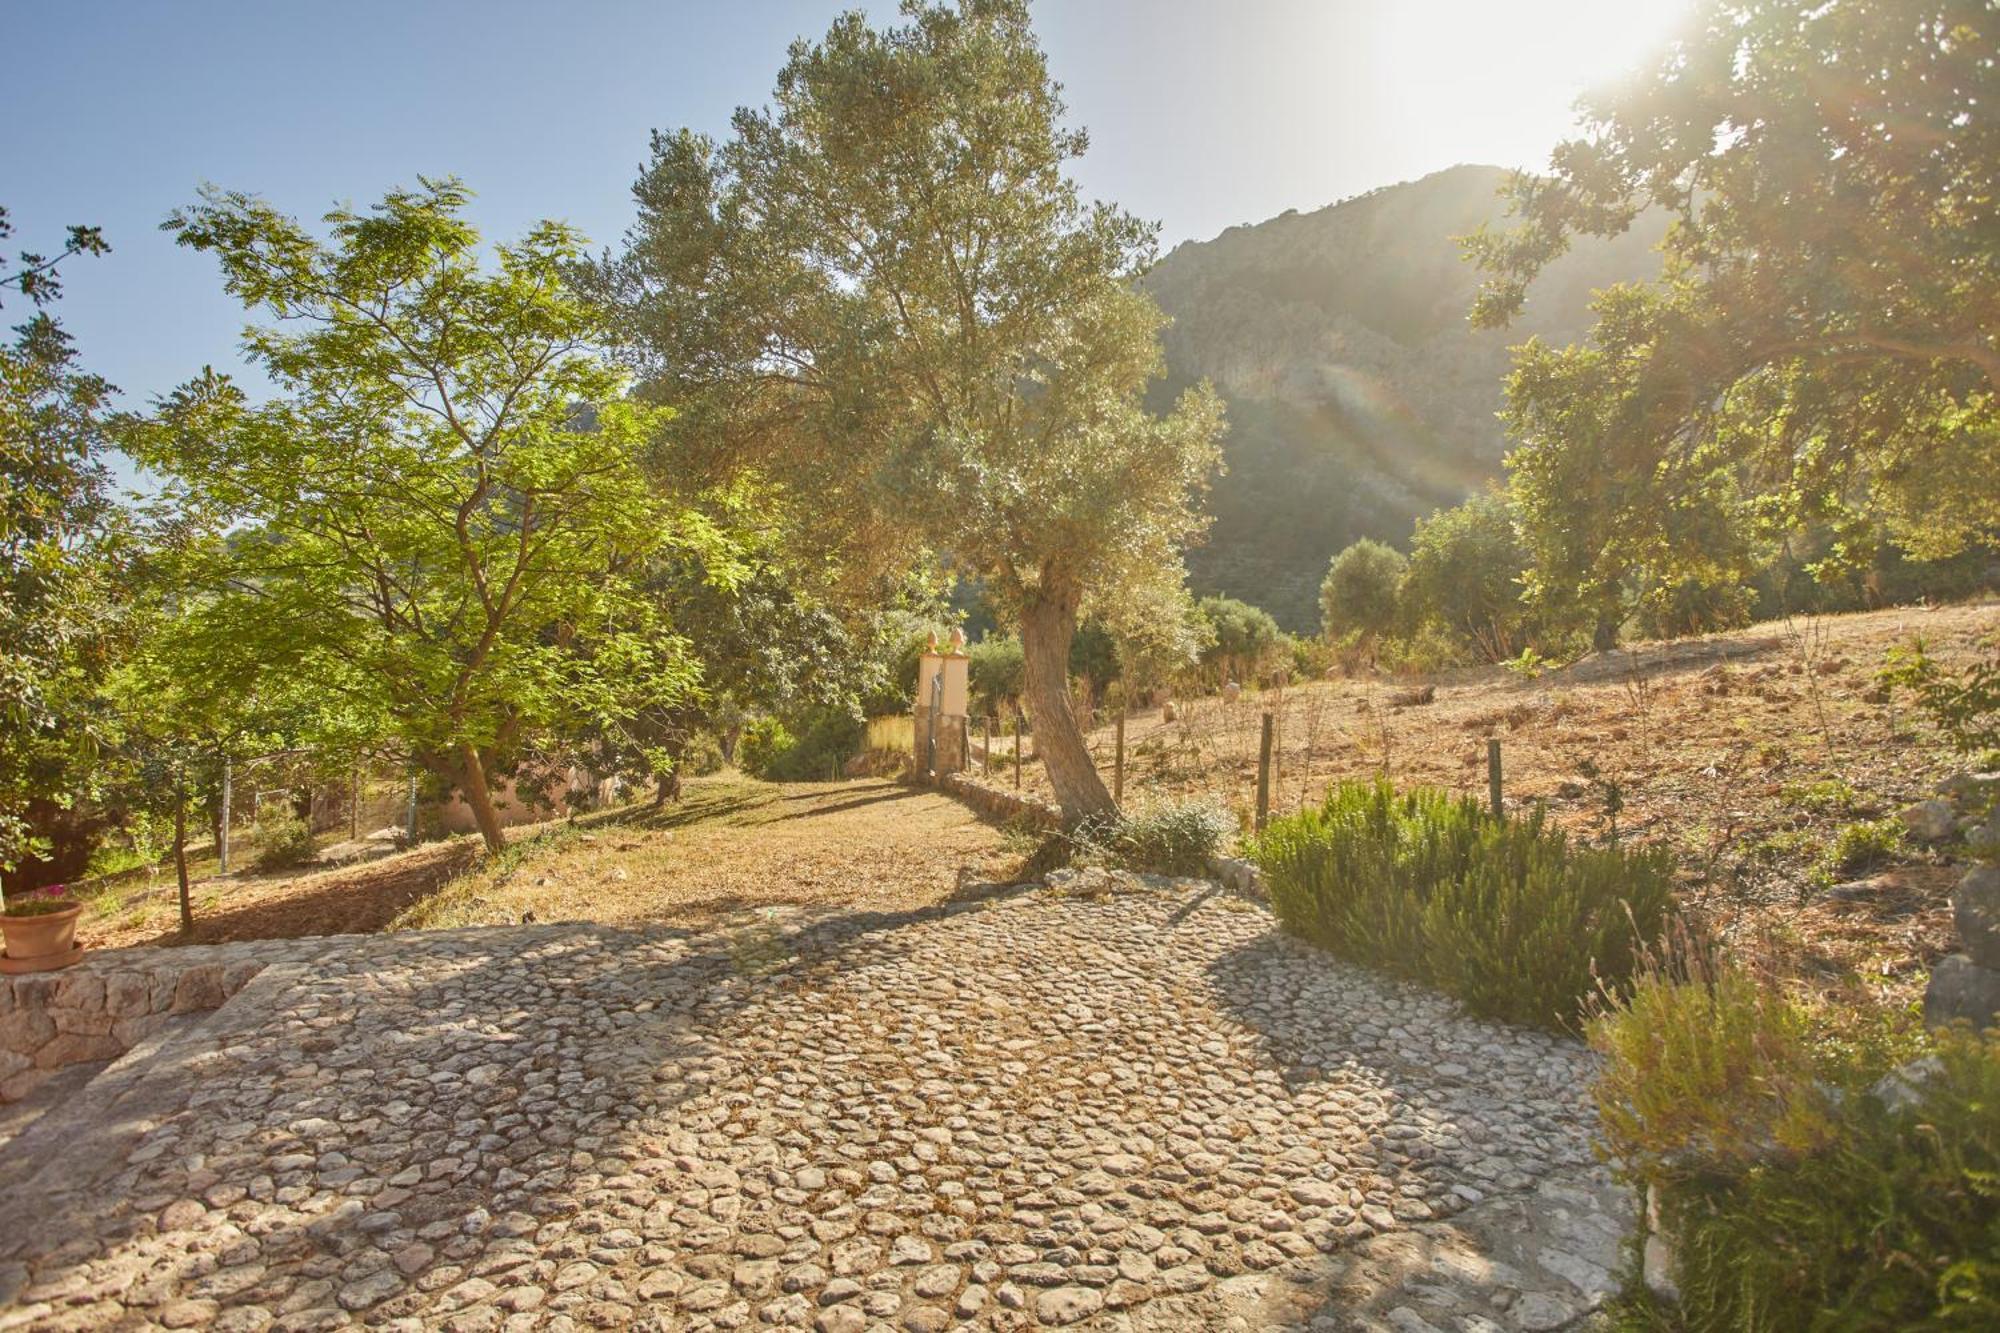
{"points": [[957, 639]]}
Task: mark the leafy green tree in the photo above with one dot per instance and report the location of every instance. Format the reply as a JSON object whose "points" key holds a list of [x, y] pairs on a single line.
{"points": [[192, 690], [771, 634], [1242, 638], [884, 291], [1093, 656], [1159, 634], [1822, 345], [60, 552], [996, 670], [1465, 573], [1359, 594], [441, 518]]}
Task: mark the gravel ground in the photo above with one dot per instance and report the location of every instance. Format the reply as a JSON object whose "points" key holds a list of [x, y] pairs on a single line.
{"points": [[1102, 1103]]}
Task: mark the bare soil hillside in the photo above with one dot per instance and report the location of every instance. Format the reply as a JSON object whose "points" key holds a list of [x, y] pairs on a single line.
{"points": [[1748, 753]]}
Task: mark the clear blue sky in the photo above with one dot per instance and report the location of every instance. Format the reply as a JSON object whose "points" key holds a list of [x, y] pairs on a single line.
{"points": [[1202, 115]]}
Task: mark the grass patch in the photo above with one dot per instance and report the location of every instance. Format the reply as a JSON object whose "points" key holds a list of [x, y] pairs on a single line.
{"points": [[1509, 916], [1829, 796]]}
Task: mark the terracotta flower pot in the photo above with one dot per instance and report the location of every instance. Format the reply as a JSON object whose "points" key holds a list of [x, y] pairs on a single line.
{"points": [[41, 942]]}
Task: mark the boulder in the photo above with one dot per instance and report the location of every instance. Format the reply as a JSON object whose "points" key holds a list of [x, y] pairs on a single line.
{"points": [[1930, 821], [1971, 792], [1975, 908], [1984, 835], [1961, 989]]}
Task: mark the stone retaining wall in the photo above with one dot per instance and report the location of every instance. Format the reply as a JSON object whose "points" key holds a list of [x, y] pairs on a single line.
{"points": [[103, 1006], [1000, 802]]}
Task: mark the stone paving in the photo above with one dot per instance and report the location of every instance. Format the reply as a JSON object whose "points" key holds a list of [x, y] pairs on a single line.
{"points": [[1104, 1103]]}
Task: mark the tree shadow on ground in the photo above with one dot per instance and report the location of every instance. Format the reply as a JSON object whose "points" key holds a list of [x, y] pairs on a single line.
{"points": [[389, 1052], [1323, 1019]]}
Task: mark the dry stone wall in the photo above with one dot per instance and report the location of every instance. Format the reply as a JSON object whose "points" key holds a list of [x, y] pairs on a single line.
{"points": [[1000, 802], [111, 1001]]}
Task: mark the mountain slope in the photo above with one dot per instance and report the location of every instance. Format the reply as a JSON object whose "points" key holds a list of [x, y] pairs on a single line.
{"points": [[1359, 397]]}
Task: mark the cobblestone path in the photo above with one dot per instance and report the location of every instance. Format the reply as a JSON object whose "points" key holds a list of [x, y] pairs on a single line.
{"points": [[1102, 1104]]}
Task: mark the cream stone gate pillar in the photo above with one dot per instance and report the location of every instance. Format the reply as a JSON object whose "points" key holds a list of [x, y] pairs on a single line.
{"points": [[942, 730]]}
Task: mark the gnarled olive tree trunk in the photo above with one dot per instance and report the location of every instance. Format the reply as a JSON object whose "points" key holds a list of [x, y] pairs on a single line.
{"points": [[1048, 624]]}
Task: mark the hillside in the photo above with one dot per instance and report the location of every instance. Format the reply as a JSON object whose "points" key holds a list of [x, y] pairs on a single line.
{"points": [[1761, 757], [1359, 398]]}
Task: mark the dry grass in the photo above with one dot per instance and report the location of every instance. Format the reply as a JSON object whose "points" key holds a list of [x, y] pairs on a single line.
{"points": [[732, 847], [340, 900], [1720, 747]]}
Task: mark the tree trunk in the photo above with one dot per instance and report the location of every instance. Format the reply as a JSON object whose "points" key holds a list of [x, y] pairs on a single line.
{"points": [[1048, 623], [181, 863], [472, 786], [1604, 635]]}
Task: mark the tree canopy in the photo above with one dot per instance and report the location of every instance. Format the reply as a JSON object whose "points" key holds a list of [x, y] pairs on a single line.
{"points": [[1823, 345], [1465, 572], [884, 289], [59, 558], [442, 515], [1359, 595]]}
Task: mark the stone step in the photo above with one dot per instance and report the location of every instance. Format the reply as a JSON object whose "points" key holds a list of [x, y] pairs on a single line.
{"points": [[80, 1130], [16, 1117]]}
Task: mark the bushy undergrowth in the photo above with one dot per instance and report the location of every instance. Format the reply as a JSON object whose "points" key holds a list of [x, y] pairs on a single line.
{"points": [[1510, 916], [813, 748], [1862, 845], [1170, 839], [1795, 1196], [1174, 839], [283, 840]]}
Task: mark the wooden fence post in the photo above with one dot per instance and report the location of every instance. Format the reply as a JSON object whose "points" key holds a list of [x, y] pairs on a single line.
{"points": [[354, 806], [1118, 762], [988, 722], [1264, 773], [222, 828], [1493, 775], [1017, 752]]}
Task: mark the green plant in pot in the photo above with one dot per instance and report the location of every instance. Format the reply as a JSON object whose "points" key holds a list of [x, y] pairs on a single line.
{"points": [[40, 931]]}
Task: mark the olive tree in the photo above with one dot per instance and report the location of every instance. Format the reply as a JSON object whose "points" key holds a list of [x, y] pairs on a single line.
{"points": [[1360, 591], [884, 293]]}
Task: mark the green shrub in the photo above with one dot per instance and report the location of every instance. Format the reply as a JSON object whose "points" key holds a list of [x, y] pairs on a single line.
{"points": [[701, 757], [1175, 839], [1963, 705], [824, 740], [1170, 839], [997, 670], [1426, 652], [1241, 639], [1796, 1197], [1311, 657], [1688, 607], [1862, 846], [1507, 915], [283, 840], [1465, 573], [762, 741], [1829, 796]]}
